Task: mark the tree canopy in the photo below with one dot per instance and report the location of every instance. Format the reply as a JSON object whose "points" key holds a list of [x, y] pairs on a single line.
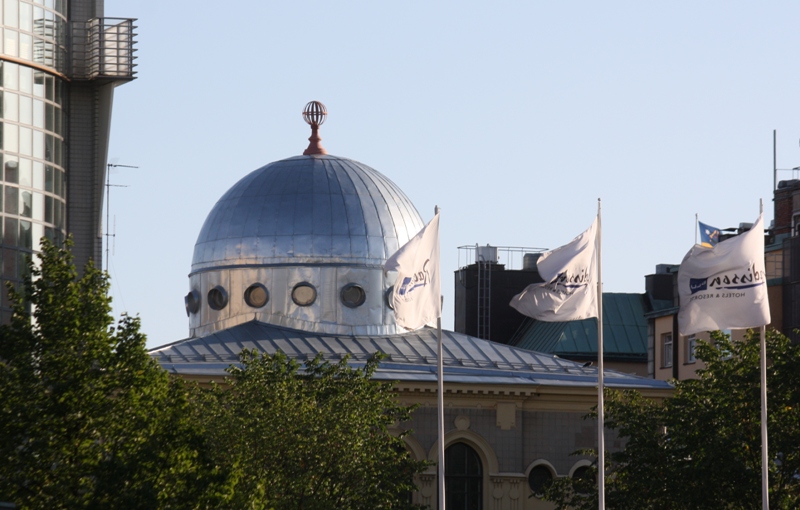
{"points": [[701, 449], [314, 436], [89, 420]]}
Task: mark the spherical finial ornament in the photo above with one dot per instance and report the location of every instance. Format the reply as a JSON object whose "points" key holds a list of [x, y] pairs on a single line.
{"points": [[315, 113]]}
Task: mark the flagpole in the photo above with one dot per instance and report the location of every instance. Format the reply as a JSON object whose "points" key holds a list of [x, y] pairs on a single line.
{"points": [[764, 448], [601, 463], [696, 220], [764, 444], [440, 399], [440, 409]]}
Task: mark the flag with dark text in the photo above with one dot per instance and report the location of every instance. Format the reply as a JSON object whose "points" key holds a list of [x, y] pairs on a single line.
{"points": [[416, 297], [569, 291], [724, 288]]}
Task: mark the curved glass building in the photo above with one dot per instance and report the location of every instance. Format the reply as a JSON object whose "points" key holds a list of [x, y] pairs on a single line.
{"points": [[60, 61]]}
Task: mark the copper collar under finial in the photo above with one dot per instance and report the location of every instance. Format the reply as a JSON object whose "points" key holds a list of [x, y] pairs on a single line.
{"points": [[314, 114]]}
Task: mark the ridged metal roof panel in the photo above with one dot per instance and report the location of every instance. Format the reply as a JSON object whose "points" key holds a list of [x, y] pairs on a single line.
{"points": [[411, 356]]}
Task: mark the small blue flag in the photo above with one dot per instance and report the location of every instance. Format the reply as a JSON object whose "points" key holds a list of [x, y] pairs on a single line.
{"points": [[709, 236]]}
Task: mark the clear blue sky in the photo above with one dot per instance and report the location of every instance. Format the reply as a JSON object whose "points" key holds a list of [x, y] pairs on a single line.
{"points": [[513, 117]]}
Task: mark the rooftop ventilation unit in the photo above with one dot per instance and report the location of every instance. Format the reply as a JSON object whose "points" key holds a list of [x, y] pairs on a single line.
{"points": [[486, 254]]}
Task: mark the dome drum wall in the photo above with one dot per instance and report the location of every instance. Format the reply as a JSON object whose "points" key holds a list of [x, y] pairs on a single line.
{"points": [[320, 219], [327, 314]]}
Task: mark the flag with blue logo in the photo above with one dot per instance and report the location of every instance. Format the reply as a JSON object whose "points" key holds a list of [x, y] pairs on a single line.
{"points": [[709, 236], [416, 297], [724, 288], [569, 291]]}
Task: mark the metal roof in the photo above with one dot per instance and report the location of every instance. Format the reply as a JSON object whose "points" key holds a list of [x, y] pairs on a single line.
{"points": [[410, 357], [624, 332], [307, 210]]}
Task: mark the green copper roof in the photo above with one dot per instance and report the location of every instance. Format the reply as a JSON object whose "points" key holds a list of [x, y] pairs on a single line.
{"points": [[624, 332]]}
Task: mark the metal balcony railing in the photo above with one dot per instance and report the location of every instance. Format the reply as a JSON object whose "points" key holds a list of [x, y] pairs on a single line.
{"points": [[104, 48]]}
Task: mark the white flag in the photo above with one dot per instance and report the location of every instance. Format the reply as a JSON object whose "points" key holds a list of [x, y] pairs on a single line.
{"points": [[417, 292], [569, 291], [724, 287]]}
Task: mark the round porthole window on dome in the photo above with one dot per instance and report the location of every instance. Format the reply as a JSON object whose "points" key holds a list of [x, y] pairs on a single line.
{"points": [[304, 294], [217, 298], [353, 295], [192, 302], [388, 297], [256, 295]]}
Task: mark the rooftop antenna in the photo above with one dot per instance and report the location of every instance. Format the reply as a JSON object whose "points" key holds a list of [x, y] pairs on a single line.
{"points": [[108, 234]]}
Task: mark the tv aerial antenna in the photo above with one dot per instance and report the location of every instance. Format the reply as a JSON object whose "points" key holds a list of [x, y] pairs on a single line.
{"points": [[108, 234]]}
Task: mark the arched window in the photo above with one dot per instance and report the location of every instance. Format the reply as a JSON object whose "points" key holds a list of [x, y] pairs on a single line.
{"points": [[463, 477], [538, 479], [584, 480]]}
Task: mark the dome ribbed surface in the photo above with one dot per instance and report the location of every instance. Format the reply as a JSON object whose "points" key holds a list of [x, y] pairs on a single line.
{"points": [[318, 209]]}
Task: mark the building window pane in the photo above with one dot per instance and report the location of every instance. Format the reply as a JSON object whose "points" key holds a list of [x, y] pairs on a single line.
{"points": [[38, 83], [25, 16], [192, 302], [38, 144], [12, 170], [38, 207], [25, 141], [353, 295], [304, 294], [26, 204], [48, 209], [10, 75], [12, 200], [38, 113], [256, 295], [10, 46], [11, 13], [25, 172], [463, 478], [38, 175], [57, 215], [38, 233], [691, 345], [25, 47], [25, 110], [538, 479], [10, 232], [10, 106], [584, 480], [25, 235], [9, 263], [666, 342], [26, 79], [11, 137], [217, 298]]}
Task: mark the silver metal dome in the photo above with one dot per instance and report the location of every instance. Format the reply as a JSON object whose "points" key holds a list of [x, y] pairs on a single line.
{"points": [[307, 209], [300, 243]]}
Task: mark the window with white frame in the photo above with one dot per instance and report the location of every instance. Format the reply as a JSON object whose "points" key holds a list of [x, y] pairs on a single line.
{"points": [[666, 350], [691, 346]]}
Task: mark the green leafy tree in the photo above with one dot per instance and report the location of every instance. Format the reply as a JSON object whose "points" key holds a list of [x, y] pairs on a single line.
{"points": [[87, 418], [311, 436], [701, 449]]}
